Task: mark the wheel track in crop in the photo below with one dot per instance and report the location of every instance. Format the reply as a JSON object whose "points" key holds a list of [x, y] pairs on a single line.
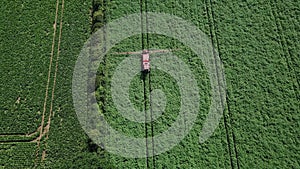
{"points": [[213, 34], [54, 80], [21, 135], [45, 130], [284, 47], [144, 84], [150, 88], [17, 138], [151, 119], [145, 45], [49, 72]]}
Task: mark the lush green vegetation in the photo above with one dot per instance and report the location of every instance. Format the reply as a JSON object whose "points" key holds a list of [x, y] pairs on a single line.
{"points": [[258, 43], [251, 49], [26, 35], [17, 155], [67, 142], [261, 85]]}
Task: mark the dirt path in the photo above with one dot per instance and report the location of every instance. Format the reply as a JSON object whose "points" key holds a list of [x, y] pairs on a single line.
{"points": [[32, 134], [48, 82], [36, 140], [54, 81]]}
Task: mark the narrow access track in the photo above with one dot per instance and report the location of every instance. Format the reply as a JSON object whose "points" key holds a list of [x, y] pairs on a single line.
{"points": [[45, 130]]}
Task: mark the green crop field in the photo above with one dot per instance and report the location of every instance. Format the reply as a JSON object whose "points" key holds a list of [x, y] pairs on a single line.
{"points": [[257, 41]]}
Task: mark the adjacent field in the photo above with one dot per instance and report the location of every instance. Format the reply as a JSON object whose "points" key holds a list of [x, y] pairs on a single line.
{"points": [[31, 36], [26, 35]]}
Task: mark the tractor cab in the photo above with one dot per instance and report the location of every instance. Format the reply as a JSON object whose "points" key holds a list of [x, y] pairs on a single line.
{"points": [[145, 61]]}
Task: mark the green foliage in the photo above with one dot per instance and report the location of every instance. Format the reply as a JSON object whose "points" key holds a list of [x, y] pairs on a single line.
{"points": [[85, 160], [258, 44], [19, 155], [255, 74], [26, 38], [99, 11], [260, 82], [98, 16]]}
